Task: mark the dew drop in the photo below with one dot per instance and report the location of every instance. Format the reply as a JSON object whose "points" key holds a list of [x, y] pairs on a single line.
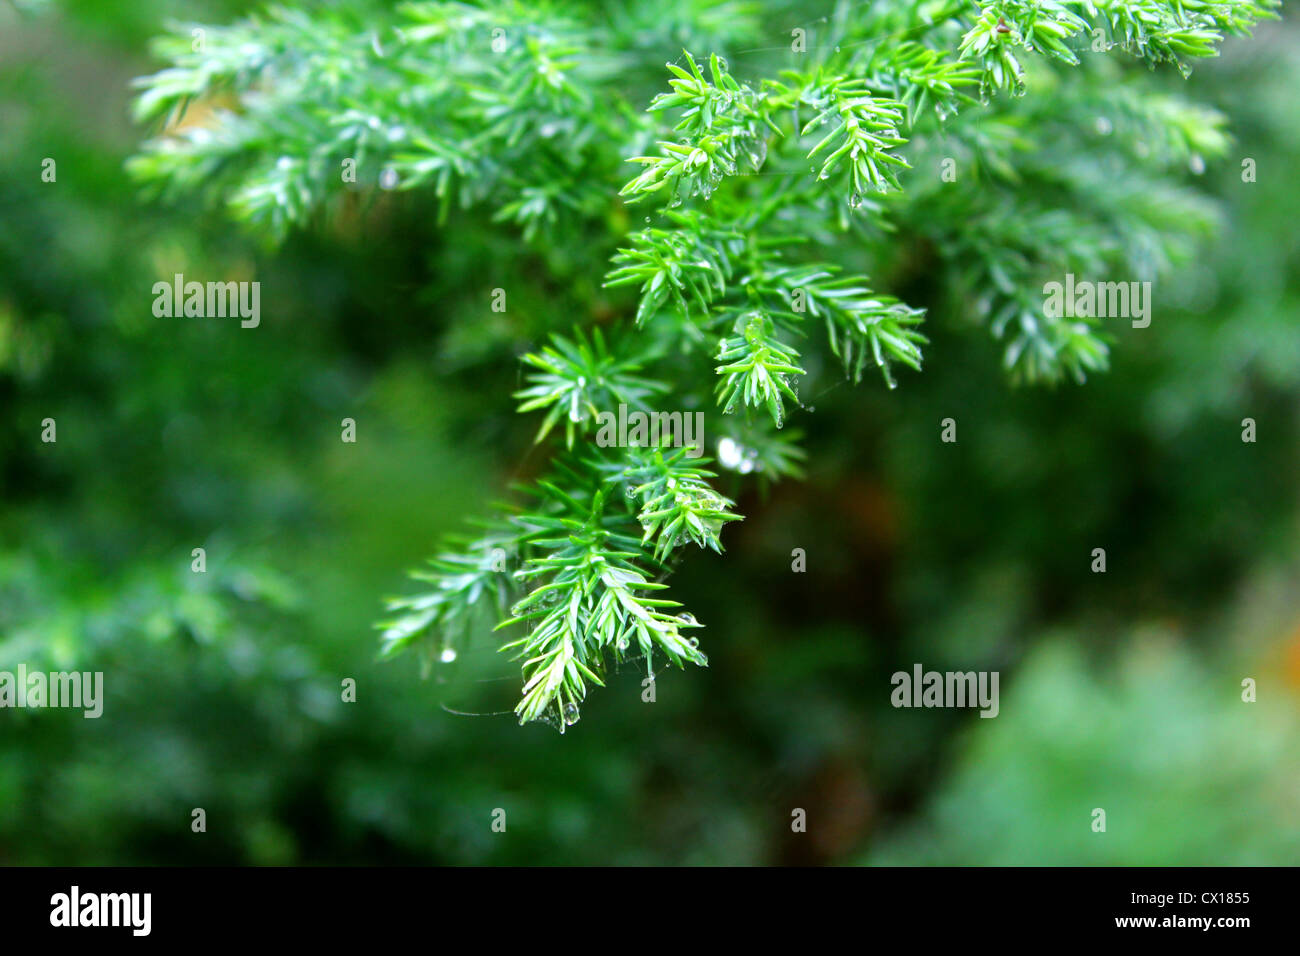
{"points": [[570, 714], [730, 454], [447, 656]]}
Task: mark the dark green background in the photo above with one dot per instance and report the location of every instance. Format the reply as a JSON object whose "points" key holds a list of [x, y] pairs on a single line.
{"points": [[1119, 691]]}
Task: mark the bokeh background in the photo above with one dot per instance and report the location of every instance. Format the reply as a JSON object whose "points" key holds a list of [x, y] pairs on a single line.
{"points": [[1119, 690]]}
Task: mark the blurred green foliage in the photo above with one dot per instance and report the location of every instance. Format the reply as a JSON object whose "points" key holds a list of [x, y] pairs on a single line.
{"points": [[1120, 690], [1185, 773]]}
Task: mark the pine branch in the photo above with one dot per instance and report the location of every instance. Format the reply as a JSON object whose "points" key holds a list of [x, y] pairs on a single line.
{"points": [[723, 125], [593, 603], [577, 379], [677, 502], [758, 368], [775, 194]]}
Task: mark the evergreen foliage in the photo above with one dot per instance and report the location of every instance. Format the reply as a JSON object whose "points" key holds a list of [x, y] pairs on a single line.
{"points": [[786, 171]]}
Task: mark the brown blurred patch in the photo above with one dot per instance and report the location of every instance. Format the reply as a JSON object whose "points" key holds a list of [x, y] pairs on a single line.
{"points": [[873, 512], [1291, 659], [840, 809]]}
